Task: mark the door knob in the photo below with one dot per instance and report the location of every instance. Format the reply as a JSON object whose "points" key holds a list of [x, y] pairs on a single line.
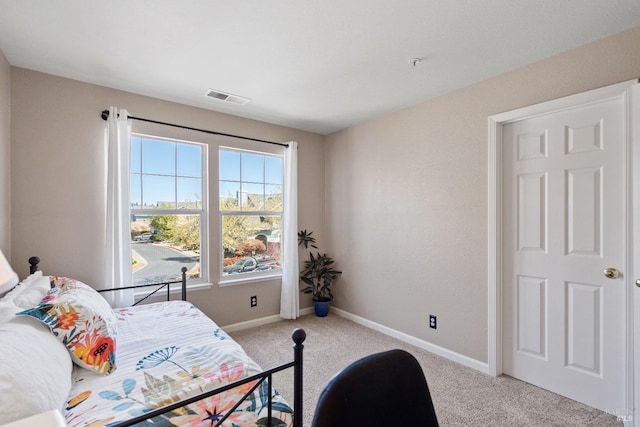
{"points": [[611, 273]]}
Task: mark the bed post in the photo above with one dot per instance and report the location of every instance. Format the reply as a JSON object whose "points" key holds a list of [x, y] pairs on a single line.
{"points": [[298, 336], [184, 283], [33, 264]]}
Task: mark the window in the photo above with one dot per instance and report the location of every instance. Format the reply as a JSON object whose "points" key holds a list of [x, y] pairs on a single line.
{"points": [[168, 208], [251, 202]]}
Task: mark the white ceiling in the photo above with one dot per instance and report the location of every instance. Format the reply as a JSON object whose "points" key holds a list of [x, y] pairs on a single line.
{"points": [[316, 65]]}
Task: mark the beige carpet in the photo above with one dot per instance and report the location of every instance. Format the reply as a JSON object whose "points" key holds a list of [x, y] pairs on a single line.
{"points": [[461, 396]]}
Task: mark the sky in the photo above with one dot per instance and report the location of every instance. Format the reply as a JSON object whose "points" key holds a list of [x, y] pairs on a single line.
{"points": [[165, 169], [168, 169], [250, 172]]}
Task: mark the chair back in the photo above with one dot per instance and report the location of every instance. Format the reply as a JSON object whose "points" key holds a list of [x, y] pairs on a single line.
{"points": [[387, 388]]}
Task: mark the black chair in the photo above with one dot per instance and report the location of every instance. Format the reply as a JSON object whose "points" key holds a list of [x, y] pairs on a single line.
{"points": [[387, 388]]}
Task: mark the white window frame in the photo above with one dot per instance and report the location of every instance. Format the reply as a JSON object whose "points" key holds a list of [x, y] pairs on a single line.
{"points": [[236, 279], [203, 281]]}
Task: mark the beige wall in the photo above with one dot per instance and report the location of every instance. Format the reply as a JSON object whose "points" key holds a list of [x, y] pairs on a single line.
{"points": [[399, 201], [58, 188], [5, 156], [406, 197]]}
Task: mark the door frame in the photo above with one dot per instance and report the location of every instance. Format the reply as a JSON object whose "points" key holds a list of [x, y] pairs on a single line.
{"points": [[629, 90]]}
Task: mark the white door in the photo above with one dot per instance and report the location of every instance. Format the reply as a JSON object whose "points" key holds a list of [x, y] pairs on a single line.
{"points": [[563, 225]]}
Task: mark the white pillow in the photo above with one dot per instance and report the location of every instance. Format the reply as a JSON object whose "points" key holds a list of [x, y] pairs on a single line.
{"points": [[10, 284], [33, 284], [7, 305], [35, 367], [32, 291], [30, 278]]}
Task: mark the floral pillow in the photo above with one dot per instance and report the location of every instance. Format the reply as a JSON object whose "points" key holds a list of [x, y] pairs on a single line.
{"points": [[82, 320]]}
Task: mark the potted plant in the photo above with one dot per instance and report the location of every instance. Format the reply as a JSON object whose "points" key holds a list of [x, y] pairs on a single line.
{"points": [[318, 274]]}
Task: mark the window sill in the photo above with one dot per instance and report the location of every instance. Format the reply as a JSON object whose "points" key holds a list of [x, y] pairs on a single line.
{"points": [[248, 279]]}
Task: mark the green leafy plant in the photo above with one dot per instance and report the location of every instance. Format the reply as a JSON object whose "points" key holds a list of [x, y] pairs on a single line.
{"points": [[305, 239], [318, 273]]}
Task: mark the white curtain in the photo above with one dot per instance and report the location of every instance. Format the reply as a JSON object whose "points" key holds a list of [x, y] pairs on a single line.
{"points": [[289, 298], [118, 225]]}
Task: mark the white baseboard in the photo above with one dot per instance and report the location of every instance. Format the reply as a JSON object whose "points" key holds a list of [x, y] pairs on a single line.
{"points": [[425, 345], [261, 321]]}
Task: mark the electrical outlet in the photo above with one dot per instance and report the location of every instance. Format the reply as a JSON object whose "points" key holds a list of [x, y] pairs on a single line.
{"points": [[433, 322], [254, 301]]}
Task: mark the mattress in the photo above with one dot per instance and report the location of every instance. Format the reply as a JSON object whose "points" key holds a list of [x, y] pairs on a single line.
{"points": [[167, 352]]}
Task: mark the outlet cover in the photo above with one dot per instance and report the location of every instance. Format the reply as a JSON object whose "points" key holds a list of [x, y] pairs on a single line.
{"points": [[433, 322], [254, 301]]}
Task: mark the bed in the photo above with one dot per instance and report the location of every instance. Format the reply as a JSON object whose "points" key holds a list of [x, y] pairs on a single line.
{"points": [[163, 363]]}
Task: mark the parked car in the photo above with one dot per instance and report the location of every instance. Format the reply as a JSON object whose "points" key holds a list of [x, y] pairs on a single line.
{"points": [[144, 237], [242, 265]]}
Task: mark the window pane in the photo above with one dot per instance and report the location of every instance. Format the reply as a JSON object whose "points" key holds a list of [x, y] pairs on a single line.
{"points": [[135, 190], [273, 170], [189, 193], [250, 182], [250, 244], [159, 192], [229, 194], [169, 176], [274, 198], [229, 165], [252, 167], [162, 244], [158, 157], [252, 197], [189, 160], [136, 159]]}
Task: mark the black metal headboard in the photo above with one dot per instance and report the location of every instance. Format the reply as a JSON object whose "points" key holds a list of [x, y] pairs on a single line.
{"points": [[33, 264], [159, 286], [33, 267]]}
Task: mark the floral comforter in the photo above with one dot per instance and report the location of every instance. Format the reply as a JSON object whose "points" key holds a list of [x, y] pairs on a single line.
{"points": [[166, 352]]}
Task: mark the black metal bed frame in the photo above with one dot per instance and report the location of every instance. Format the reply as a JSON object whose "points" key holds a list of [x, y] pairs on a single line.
{"points": [[298, 336], [160, 285]]}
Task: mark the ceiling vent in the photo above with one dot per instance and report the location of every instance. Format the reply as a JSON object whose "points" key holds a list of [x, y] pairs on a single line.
{"points": [[226, 97]]}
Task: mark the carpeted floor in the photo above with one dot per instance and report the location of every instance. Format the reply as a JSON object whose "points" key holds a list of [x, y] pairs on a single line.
{"points": [[461, 395]]}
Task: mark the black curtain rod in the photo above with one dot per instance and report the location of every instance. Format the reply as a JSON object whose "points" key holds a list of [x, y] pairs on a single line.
{"points": [[105, 116]]}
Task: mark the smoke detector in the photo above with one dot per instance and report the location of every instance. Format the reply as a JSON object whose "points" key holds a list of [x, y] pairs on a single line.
{"points": [[226, 97]]}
